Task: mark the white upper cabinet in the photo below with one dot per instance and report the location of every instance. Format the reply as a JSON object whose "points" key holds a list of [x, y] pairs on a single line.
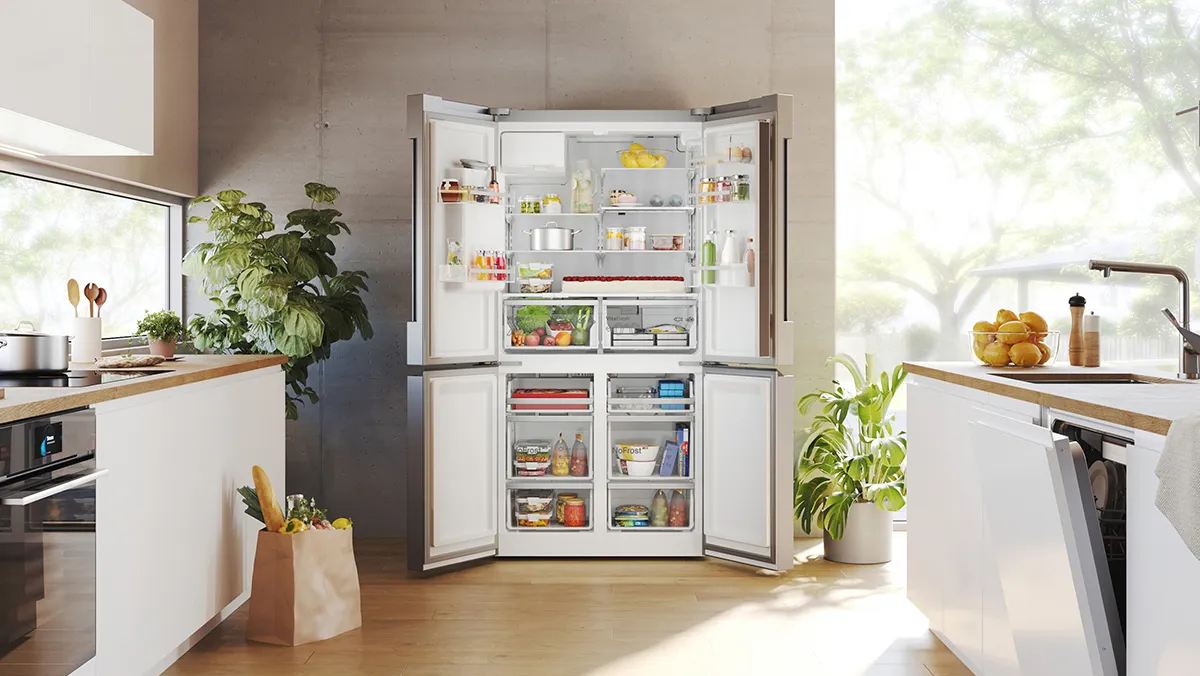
{"points": [[79, 78]]}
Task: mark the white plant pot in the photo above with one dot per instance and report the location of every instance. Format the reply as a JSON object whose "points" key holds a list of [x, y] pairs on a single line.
{"points": [[867, 538]]}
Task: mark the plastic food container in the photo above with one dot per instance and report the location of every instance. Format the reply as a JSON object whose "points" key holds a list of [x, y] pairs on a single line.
{"points": [[535, 277], [533, 520], [635, 393], [534, 502], [636, 452], [631, 516], [638, 468], [667, 242]]}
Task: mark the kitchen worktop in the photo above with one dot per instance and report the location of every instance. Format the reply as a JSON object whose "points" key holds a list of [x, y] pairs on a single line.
{"points": [[28, 402], [1149, 407]]}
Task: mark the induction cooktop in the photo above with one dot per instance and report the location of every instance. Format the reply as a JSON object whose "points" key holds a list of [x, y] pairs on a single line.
{"points": [[74, 378]]}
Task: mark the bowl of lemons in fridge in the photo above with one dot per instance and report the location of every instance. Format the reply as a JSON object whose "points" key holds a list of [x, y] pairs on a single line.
{"points": [[636, 156], [1014, 340]]}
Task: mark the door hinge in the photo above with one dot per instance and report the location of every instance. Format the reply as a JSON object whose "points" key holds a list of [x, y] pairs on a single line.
{"points": [[702, 112], [499, 112]]}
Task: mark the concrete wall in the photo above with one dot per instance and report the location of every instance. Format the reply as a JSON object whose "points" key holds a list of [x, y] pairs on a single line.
{"points": [[299, 90], [173, 167]]}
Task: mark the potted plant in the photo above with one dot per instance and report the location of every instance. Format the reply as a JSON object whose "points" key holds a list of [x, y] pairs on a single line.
{"points": [[276, 290], [850, 474], [162, 330]]}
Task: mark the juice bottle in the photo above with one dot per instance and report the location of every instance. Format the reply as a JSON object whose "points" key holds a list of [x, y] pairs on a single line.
{"points": [[479, 274], [708, 258]]}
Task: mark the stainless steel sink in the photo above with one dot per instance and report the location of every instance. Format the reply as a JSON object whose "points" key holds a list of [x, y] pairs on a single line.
{"points": [[1088, 378]]}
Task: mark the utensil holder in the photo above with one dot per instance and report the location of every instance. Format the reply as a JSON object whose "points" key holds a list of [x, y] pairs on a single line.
{"points": [[85, 340]]}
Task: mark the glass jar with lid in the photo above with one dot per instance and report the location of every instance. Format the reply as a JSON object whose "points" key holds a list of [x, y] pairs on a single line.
{"points": [[530, 205], [614, 239], [635, 238], [741, 188], [723, 188], [551, 204]]}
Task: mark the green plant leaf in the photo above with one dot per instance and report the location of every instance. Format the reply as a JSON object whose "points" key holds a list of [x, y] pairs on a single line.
{"points": [[200, 199], [230, 198], [196, 219], [302, 322], [321, 193]]}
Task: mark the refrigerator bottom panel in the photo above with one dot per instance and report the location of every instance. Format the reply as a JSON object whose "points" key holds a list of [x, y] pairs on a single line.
{"points": [[601, 544]]}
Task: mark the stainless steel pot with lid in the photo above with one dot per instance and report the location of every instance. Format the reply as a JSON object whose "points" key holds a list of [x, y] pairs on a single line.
{"points": [[551, 237], [28, 351]]}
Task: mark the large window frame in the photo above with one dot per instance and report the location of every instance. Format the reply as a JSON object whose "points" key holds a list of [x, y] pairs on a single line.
{"points": [[177, 213]]}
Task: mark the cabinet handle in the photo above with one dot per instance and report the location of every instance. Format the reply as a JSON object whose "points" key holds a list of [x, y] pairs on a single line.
{"points": [[29, 498]]}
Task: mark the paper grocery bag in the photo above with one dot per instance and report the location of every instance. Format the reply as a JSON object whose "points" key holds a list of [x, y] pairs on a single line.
{"points": [[305, 587]]}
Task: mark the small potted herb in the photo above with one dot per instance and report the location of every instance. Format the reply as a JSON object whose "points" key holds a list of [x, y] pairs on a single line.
{"points": [[162, 330]]}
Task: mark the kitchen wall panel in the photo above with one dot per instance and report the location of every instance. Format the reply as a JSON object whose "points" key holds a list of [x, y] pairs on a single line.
{"points": [[320, 95]]}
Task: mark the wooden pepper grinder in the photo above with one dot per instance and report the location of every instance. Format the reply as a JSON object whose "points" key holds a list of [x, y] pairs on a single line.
{"points": [[1076, 350]]}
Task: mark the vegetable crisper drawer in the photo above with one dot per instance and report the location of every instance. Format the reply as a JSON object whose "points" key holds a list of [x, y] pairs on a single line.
{"points": [[550, 326], [650, 325]]}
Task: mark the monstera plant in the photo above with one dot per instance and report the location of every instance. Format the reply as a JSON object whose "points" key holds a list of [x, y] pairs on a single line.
{"points": [[276, 290]]}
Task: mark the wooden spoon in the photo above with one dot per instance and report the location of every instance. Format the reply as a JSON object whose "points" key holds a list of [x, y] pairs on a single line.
{"points": [[89, 292], [73, 294], [101, 299]]}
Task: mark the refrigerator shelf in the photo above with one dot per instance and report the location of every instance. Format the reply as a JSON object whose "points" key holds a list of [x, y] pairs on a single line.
{"points": [[549, 481], [559, 416], [652, 481], [461, 274], [647, 170], [649, 529], [551, 528], [646, 209]]}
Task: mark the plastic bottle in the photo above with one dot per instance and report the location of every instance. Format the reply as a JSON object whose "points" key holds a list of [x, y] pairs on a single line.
{"points": [[708, 258], [579, 457], [678, 514], [748, 259], [582, 192], [729, 257], [658, 510], [560, 458]]}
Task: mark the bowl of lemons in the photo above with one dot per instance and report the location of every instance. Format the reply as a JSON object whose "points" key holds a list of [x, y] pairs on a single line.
{"points": [[1017, 340], [636, 156]]}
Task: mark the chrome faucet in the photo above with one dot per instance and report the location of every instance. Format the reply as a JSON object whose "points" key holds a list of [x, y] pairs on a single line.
{"points": [[1189, 352]]}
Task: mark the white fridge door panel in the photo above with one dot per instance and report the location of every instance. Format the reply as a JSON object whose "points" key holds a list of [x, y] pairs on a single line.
{"points": [[462, 439], [1045, 538], [746, 446], [462, 318]]}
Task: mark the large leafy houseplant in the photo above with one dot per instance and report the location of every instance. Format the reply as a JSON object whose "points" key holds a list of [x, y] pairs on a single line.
{"points": [[276, 291], [852, 453]]}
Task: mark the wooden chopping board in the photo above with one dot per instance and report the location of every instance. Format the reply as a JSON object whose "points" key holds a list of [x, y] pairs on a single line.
{"points": [[1, 392]]}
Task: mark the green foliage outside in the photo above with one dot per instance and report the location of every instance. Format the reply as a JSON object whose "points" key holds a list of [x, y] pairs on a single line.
{"points": [[276, 291]]}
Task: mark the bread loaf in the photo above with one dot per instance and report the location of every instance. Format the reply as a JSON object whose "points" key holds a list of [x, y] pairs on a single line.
{"points": [[272, 515]]}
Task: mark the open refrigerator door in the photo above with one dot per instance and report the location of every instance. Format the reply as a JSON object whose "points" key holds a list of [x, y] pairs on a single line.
{"points": [[741, 211]]}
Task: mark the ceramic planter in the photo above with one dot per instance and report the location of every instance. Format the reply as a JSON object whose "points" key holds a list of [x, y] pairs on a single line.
{"points": [[162, 348], [867, 538]]}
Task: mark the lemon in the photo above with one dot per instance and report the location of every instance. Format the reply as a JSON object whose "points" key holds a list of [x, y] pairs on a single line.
{"points": [[1025, 354], [1005, 316], [984, 327], [996, 354], [1045, 353], [978, 348], [660, 161], [645, 160], [1013, 333], [636, 148], [341, 524], [628, 159]]}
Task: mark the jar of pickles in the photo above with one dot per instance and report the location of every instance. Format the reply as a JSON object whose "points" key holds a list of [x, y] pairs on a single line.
{"points": [[551, 204], [741, 188], [531, 205]]}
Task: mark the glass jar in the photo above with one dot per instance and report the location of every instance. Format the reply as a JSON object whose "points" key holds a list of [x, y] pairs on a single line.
{"points": [[551, 204], [614, 239], [560, 503], [575, 513], [707, 187], [723, 186], [635, 239], [530, 205], [741, 188]]}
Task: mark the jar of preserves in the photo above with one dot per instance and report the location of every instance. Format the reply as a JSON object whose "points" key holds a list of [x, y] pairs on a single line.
{"points": [[560, 504], [575, 513], [707, 187], [723, 186], [635, 238], [741, 188], [551, 204], [530, 205]]}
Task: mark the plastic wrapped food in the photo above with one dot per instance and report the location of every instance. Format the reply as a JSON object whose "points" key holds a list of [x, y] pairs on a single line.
{"points": [[532, 450], [631, 516], [535, 502]]}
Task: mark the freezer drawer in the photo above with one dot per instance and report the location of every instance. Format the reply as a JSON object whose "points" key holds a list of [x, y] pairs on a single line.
{"points": [[651, 509], [650, 326]]}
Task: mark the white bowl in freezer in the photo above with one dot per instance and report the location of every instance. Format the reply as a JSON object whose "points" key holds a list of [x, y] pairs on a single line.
{"points": [[639, 468]]}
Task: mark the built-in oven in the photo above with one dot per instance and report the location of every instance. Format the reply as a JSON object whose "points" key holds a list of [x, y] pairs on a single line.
{"points": [[48, 544]]}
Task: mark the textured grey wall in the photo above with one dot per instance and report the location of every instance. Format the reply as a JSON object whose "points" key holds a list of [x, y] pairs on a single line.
{"points": [[300, 90]]}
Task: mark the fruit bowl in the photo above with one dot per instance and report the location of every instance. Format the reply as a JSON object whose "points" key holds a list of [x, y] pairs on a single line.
{"points": [[999, 350]]}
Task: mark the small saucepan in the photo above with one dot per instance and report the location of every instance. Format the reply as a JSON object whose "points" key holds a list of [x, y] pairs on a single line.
{"points": [[551, 237]]}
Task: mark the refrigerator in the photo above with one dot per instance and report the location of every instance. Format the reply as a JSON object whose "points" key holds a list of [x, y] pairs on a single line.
{"points": [[654, 356]]}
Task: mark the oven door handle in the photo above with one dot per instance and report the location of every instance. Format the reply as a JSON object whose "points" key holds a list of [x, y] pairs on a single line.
{"points": [[23, 499]]}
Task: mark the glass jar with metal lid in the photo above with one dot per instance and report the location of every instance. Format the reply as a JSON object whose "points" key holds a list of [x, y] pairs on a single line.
{"points": [[531, 205], [741, 188]]}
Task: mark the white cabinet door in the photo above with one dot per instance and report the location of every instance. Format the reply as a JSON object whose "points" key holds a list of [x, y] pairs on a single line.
{"points": [[1045, 542], [454, 470], [746, 448], [1164, 581]]}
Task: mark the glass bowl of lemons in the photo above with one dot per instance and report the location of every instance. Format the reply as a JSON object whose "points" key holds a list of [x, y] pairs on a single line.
{"points": [[1014, 340], [637, 156]]}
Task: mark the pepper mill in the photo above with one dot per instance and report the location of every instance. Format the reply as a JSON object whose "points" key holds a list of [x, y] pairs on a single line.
{"points": [[1076, 350]]}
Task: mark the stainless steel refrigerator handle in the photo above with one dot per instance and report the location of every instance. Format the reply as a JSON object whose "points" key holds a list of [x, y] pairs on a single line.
{"points": [[764, 261], [55, 490], [414, 224]]}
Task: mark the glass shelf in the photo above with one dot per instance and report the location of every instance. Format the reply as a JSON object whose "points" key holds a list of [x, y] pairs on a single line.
{"points": [[647, 209]]}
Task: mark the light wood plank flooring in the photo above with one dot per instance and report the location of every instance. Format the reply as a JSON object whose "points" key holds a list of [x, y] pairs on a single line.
{"points": [[607, 618]]}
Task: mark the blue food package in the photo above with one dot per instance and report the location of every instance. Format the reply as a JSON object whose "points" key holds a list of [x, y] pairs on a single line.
{"points": [[671, 389], [670, 460], [682, 438]]}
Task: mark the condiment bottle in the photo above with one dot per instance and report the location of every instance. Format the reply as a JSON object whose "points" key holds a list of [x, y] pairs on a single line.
{"points": [[1075, 351], [1091, 340], [749, 259], [560, 458], [729, 258], [708, 258], [579, 457]]}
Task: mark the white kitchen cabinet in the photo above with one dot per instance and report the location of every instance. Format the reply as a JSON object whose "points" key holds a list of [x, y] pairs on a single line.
{"points": [[1163, 581]]}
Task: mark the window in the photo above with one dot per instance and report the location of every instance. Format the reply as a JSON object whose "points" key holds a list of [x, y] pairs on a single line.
{"points": [[987, 150], [51, 232]]}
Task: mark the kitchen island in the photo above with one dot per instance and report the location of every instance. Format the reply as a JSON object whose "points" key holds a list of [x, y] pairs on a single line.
{"points": [[1002, 557], [174, 552]]}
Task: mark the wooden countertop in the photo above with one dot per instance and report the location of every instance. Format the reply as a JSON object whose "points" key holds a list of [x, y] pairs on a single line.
{"points": [[29, 402], [1149, 407]]}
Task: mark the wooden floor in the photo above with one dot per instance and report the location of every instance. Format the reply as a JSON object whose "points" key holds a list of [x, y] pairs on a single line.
{"points": [[603, 618]]}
